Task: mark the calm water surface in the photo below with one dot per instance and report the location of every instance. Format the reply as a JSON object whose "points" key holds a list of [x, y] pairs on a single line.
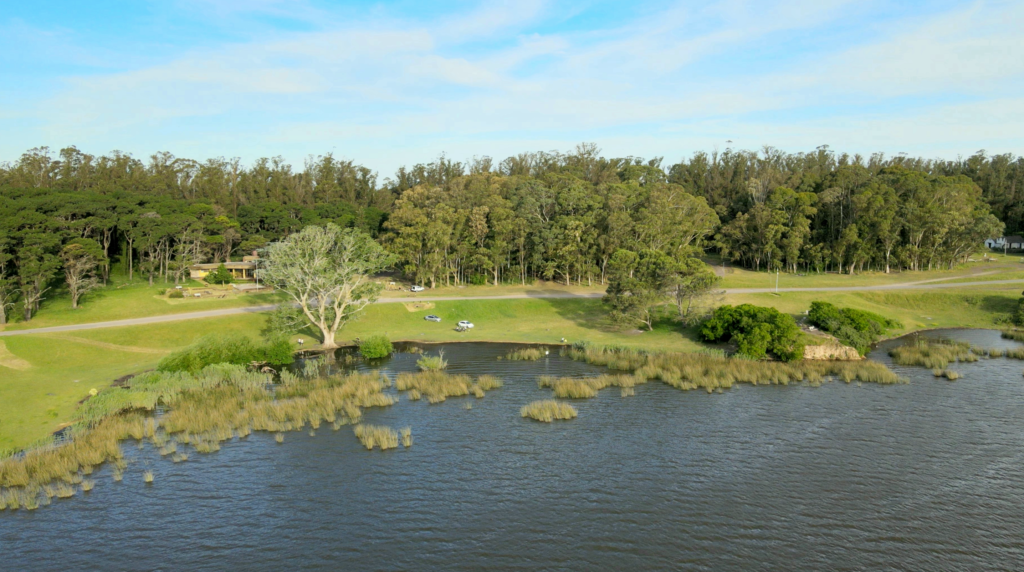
{"points": [[923, 476]]}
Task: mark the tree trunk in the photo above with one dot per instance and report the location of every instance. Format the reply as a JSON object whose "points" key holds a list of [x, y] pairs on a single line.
{"points": [[328, 342]]}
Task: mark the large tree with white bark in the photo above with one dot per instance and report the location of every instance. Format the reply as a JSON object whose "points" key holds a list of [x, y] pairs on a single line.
{"points": [[328, 272]]}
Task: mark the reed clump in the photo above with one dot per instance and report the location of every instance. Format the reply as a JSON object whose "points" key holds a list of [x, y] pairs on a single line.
{"points": [[712, 370], [406, 433], [526, 354], [377, 436], [203, 410], [1015, 353], [1014, 334], [437, 386], [933, 354], [147, 476], [547, 410], [586, 387], [432, 363]]}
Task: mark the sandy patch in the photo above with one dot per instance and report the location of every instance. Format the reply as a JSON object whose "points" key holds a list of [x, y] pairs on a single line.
{"points": [[7, 359], [418, 306]]}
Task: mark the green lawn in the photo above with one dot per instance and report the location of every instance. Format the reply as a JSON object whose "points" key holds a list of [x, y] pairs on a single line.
{"points": [[976, 307], [124, 300], [1004, 269]]}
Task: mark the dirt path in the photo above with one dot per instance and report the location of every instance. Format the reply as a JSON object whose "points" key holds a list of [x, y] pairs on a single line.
{"points": [[925, 285]]}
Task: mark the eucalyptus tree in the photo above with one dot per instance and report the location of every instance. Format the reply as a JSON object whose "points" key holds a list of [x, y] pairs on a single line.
{"points": [[639, 282], [327, 271], [81, 257]]}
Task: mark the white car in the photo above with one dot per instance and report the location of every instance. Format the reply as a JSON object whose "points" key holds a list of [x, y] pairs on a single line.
{"points": [[417, 288], [432, 318], [466, 324]]}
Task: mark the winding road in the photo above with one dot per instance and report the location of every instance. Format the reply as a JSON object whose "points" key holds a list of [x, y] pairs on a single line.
{"points": [[922, 285]]}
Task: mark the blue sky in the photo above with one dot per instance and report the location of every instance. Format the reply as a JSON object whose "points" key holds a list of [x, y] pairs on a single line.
{"points": [[393, 83]]}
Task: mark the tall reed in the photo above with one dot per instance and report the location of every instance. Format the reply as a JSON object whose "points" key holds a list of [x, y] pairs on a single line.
{"points": [[934, 354], [548, 410], [432, 363], [1014, 334], [377, 436], [202, 410], [586, 387], [526, 354], [437, 386], [712, 370]]}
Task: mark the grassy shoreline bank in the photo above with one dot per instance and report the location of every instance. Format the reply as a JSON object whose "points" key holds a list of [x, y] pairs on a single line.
{"points": [[43, 377]]}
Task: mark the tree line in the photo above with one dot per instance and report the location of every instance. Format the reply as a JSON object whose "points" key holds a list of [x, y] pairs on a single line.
{"points": [[557, 216]]}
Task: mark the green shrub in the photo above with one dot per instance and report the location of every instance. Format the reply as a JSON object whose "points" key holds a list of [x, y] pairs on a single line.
{"points": [[376, 347], [757, 331], [175, 293], [1018, 316], [856, 328], [432, 363], [235, 349], [220, 276]]}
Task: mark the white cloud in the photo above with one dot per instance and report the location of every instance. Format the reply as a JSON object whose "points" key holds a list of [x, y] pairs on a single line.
{"points": [[665, 79]]}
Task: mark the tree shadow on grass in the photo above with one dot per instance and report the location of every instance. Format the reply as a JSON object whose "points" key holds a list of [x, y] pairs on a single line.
{"points": [[593, 314], [998, 304]]}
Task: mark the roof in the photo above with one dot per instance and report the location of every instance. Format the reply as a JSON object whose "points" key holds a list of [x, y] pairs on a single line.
{"points": [[214, 265], [1014, 239]]}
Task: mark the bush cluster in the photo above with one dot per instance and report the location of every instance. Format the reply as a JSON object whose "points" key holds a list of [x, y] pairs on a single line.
{"points": [[855, 328], [376, 347], [757, 331], [175, 293], [220, 276], [1018, 316], [236, 349]]}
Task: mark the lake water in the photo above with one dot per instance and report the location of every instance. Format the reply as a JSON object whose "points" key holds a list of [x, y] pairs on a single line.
{"points": [[923, 476]]}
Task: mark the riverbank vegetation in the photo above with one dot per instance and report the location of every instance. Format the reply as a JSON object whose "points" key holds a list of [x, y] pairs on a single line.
{"points": [[936, 354], [713, 370], [217, 404], [852, 327], [757, 331], [548, 410], [376, 347], [236, 349]]}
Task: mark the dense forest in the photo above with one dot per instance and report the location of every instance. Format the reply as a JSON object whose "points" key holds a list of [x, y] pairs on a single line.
{"points": [[559, 216]]}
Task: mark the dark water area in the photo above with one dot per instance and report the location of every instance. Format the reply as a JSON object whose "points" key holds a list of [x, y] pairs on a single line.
{"points": [[923, 476]]}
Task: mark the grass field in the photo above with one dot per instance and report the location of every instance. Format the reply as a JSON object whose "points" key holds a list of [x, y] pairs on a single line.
{"points": [[1002, 268], [43, 377], [975, 307], [125, 300]]}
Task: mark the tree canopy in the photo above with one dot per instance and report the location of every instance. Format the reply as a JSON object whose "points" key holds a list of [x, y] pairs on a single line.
{"points": [[547, 215], [327, 271]]}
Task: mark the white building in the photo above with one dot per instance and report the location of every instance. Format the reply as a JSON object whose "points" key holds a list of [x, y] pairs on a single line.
{"points": [[1006, 243]]}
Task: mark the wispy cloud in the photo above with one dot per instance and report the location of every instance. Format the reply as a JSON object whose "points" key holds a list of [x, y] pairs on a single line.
{"points": [[671, 79]]}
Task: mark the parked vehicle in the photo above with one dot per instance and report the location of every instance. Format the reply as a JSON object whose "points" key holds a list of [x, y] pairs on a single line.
{"points": [[417, 288], [466, 324], [432, 318]]}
